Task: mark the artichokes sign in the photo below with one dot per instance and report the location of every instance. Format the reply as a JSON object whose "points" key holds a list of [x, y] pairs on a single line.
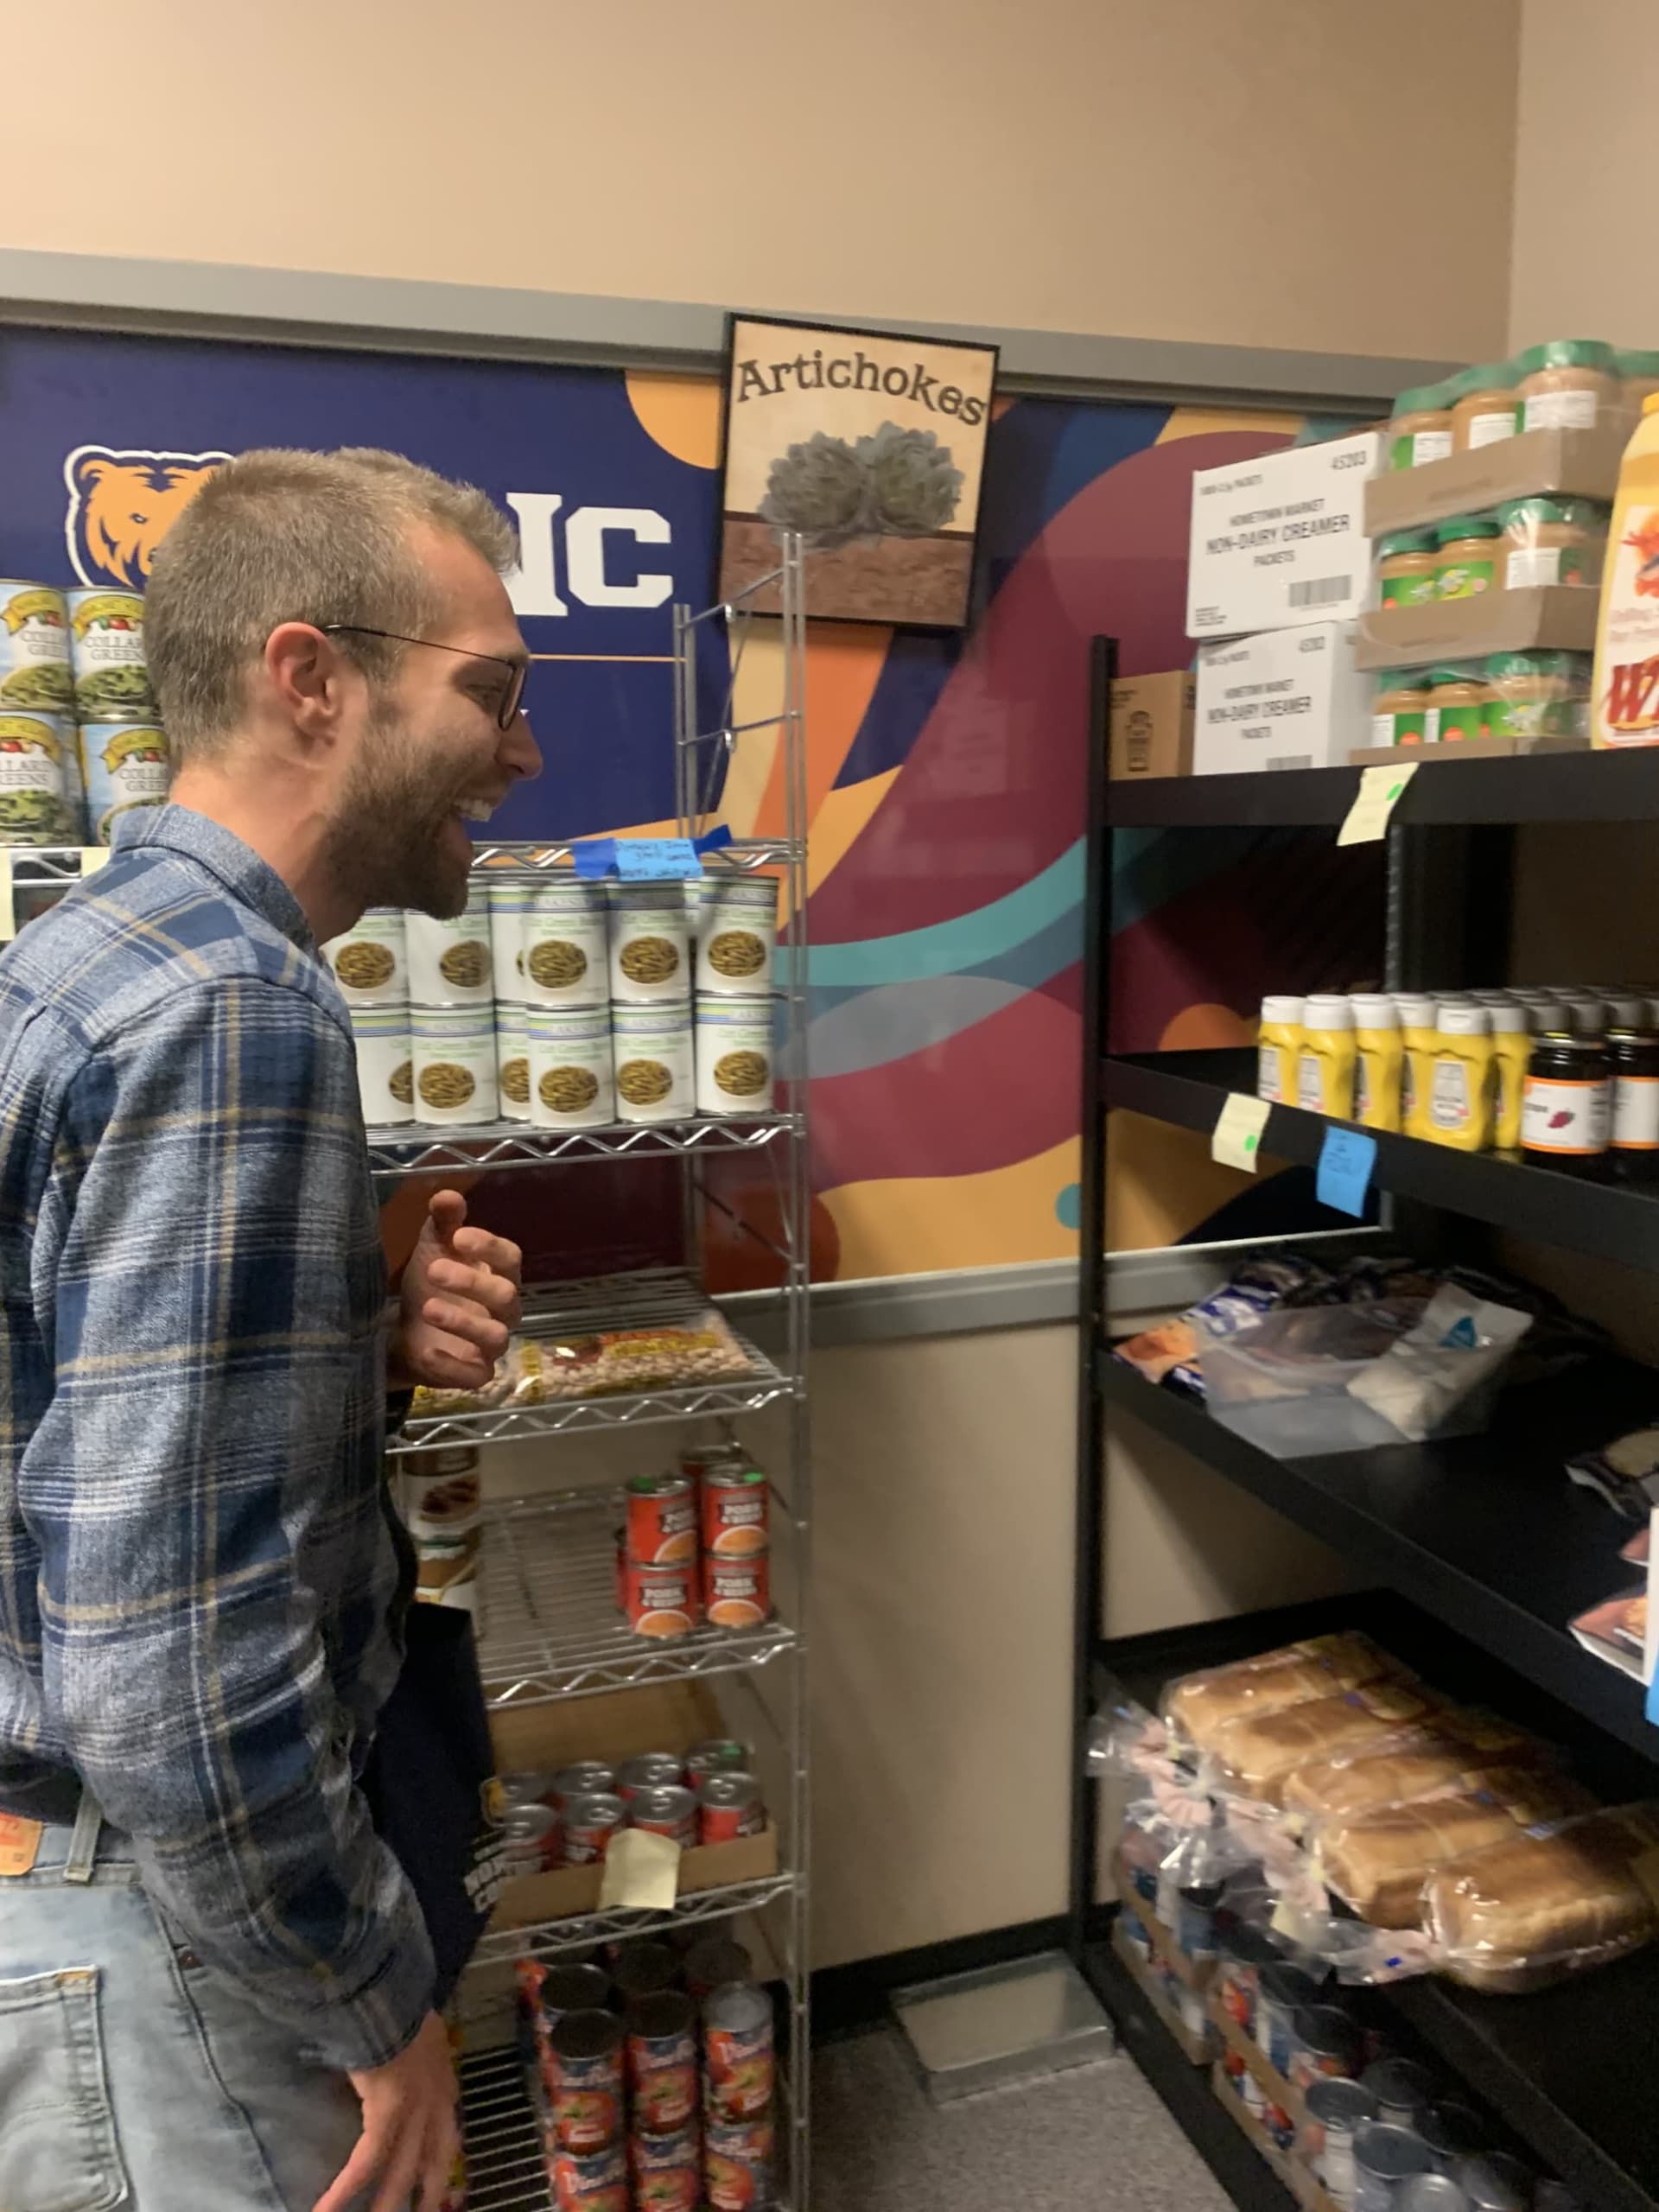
{"points": [[873, 448]]}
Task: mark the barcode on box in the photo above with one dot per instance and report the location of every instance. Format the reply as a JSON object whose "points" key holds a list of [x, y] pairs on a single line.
{"points": [[1292, 760], [1320, 591]]}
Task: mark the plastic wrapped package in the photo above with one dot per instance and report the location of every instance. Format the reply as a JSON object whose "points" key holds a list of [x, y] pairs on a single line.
{"points": [[1284, 1382], [609, 1362], [1442, 1376], [1557, 540], [1253, 1756], [1417, 1762], [1378, 1861], [1532, 1911], [1197, 1706]]}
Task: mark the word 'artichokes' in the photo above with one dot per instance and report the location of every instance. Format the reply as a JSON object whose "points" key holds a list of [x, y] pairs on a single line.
{"points": [[914, 486], [818, 487]]}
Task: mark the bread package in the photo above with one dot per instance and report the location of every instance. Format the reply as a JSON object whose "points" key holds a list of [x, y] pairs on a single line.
{"points": [[1378, 1861], [1255, 1756], [1532, 1911], [1434, 1761], [1198, 1705]]}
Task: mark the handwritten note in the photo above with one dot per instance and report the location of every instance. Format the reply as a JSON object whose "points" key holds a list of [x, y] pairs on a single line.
{"points": [[1379, 791], [1347, 1160], [657, 860], [1237, 1133], [641, 1870]]}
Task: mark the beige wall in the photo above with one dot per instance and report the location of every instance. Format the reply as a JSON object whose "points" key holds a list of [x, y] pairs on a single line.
{"points": [[1584, 250], [1263, 172]]}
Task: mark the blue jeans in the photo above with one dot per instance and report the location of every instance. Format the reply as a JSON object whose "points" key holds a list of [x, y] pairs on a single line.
{"points": [[131, 2074]]}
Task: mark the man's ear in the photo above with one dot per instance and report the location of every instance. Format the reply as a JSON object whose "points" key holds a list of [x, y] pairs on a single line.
{"points": [[310, 679]]}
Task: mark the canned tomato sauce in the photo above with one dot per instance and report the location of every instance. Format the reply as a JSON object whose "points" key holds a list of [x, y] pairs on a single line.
{"points": [[667, 2169], [643, 1969], [589, 1824], [660, 1601], [737, 1592], [581, 1779], [662, 2055], [716, 1960], [734, 1508], [671, 1811], [730, 1806], [661, 1521], [737, 2163], [594, 2181], [738, 2070], [585, 2084], [648, 1771]]}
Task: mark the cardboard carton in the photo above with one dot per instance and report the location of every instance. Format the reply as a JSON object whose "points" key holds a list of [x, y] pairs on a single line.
{"points": [[1286, 699], [1280, 540], [1556, 617], [1152, 726], [1582, 462]]}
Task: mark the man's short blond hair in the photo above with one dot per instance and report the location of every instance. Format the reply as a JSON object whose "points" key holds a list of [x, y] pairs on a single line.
{"points": [[285, 535]]}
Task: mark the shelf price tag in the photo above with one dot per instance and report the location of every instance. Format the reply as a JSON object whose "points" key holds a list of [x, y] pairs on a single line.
{"points": [[642, 1872], [1238, 1131], [1346, 1162], [1380, 793], [657, 860]]}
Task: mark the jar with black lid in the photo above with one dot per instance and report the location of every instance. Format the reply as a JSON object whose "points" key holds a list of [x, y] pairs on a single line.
{"points": [[1566, 1107], [1635, 1131]]}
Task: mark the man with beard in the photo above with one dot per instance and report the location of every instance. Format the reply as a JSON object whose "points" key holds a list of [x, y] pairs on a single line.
{"points": [[215, 1983]]}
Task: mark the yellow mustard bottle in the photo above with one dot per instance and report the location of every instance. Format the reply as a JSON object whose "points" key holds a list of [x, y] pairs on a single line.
{"points": [[1417, 1038], [1324, 1061], [1512, 1050], [1379, 1056], [1461, 1081], [1278, 1042]]}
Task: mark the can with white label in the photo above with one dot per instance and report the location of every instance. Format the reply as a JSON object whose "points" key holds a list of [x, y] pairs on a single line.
{"points": [[127, 765], [652, 1046], [735, 1055], [512, 1060], [34, 674], [736, 933], [107, 652], [565, 945], [371, 962], [386, 1081], [509, 904], [450, 962], [649, 949], [570, 1069], [34, 779], [454, 1065]]}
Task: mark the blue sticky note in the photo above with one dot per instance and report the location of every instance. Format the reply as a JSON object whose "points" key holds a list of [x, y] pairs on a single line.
{"points": [[1346, 1159], [596, 859], [648, 859], [712, 840], [1653, 1702]]}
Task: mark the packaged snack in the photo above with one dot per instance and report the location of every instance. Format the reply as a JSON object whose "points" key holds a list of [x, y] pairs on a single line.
{"points": [[1530, 1912], [1617, 1631], [615, 1362], [1625, 1472], [1440, 1378]]}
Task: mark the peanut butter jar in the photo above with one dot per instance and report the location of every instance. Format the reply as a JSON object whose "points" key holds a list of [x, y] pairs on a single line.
{"points": [[1420, 427], [1408, 568], [1559, 540], [1568, 384], [1485, 406]]}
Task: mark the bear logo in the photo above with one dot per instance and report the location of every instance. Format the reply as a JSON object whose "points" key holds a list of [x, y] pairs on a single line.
{"points": [[121, 505]]}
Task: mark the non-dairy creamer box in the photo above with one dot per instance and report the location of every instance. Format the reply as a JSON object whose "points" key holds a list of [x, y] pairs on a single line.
{"points": [[1280, 539], [1286, 699]]}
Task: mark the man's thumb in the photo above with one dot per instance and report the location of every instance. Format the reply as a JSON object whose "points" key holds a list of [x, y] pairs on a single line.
{"points": [[447, 1210]]}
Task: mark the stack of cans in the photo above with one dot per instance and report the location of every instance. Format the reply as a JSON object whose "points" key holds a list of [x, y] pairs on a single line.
{"points": [[694, 1545], [439, 1495], [654, 2085], [705, 1796]]}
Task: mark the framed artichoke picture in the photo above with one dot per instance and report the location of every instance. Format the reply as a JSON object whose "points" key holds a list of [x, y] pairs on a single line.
{"points": [[873, 446]]}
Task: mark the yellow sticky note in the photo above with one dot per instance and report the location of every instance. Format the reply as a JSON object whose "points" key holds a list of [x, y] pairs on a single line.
{"points": [[8, 910], [93, 857], [1238, 1131], [641, 1870], [1380, 790]]}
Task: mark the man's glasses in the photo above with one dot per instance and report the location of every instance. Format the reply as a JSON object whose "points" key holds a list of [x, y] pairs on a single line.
{"points": [[511, 698]]}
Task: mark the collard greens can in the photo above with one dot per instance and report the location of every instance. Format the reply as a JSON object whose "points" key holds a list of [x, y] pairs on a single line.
{"points": [[107, 646], [34, 649], [127, 765], [35, 784]]}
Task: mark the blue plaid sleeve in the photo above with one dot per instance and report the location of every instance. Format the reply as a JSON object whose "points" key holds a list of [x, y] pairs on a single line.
{"points": [[211, 1441]]}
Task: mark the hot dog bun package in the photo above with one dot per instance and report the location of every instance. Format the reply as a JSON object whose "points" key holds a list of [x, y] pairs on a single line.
{"points": [[1542, 1906], [1198, 1706]]}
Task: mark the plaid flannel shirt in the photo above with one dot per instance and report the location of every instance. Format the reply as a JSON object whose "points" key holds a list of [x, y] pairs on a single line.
{"points": [[197, 1566]]}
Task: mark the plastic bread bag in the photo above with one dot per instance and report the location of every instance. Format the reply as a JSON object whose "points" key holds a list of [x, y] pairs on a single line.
{"points": [[1441, 1377], [1126, 1740], [1251, 1758], [1431, 1761], [1197, 1706], [1377, 1862], [1548, 1903]]}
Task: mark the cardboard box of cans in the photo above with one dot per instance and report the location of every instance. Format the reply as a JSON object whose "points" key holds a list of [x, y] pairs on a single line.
{"points": [[80, 741], [613, 1728], [565, 1004]]}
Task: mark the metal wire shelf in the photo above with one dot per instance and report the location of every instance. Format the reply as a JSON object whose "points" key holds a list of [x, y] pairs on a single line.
{"points": [[551, 1629], [742, 856], [394, 1152], [580, 1931], [654, 1298]]}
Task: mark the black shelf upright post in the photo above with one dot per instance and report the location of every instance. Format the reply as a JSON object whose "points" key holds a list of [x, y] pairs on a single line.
{"points": [[1092, 1281]]}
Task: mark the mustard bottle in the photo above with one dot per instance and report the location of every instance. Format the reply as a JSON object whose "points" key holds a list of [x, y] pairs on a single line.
{"points": [[1461, 1081], [1379, 1056], [1511, 1049], [1279, 1041], [1417, 1037], [1324, 1060]]}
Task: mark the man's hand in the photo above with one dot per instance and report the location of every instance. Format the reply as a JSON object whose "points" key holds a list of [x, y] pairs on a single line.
{"points": [[458, 1301], [410, 2136]]}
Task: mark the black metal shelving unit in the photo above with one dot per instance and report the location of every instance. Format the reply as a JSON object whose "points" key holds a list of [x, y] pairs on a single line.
{"points": [[1481, 1551]]}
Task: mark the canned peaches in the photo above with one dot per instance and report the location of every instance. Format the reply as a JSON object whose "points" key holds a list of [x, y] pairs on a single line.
{"points": [[733, 1509], [662, 1526], [659, 1601], [736, 1592]]}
